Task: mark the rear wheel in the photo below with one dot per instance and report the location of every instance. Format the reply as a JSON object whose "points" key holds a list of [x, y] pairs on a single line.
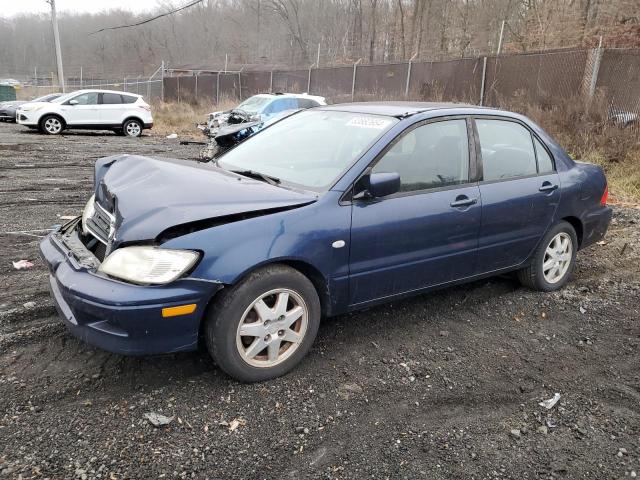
{"points": [[553, 261], [51, 125], [264, 326], [132, 128]]}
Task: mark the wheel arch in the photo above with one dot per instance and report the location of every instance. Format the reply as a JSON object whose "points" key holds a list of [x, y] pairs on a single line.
{"points": [[577, 225], [53, 114], [315, 276], [132, 117]]}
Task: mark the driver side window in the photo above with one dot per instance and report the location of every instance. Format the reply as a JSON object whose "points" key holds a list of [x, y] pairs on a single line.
{"points": [[430, 156], [87, 99]]}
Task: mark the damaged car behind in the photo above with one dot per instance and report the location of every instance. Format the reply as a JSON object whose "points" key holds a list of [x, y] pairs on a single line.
{"points": [[363, 204], [225, 129]]}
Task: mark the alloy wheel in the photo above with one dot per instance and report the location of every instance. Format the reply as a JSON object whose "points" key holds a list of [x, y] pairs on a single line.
{"points": [[53, 125], [133, 129], [272, 328], [557, 258]]}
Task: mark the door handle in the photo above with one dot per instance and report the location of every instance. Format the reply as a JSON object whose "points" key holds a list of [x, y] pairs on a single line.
{"points": [[547, 187], [463, 201]]}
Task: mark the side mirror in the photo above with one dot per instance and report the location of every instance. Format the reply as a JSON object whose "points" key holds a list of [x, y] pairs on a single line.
{"points": [[383, 184], [73, 102]]}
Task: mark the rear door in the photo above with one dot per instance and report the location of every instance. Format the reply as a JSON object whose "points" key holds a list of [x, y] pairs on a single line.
{"points": [[85, 112], [111, 108], [519, 190], [427, 233]]}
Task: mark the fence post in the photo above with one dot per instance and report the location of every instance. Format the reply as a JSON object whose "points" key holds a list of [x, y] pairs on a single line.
{"points": [[271, 83], [178, 87], [484, 79], [353, 81], [196, 92], [240, 83], [406, 87], [597, 58], [218, 89], [162, 81], [310, 67]]}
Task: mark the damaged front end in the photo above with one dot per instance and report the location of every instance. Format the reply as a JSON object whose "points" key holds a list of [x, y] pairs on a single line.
{"points": [[225, 130]]}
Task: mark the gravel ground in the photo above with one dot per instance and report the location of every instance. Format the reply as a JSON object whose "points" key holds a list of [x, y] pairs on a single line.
{"points": [[445, 385]]}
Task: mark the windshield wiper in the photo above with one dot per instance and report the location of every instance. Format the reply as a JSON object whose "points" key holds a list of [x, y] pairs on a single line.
{"points": [[260, 176]]}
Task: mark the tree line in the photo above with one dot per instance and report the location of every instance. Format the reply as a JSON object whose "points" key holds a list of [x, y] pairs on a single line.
{"points": [[311, 32]]}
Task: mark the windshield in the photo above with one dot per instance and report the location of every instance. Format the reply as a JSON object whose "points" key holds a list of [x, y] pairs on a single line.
{"points": [[46, 98], [65, 97], [309, 149], [253, 104]]}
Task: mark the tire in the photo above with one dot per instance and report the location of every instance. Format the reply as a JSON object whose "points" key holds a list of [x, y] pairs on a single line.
{"points": [[232, 351], [132, 128], [534, 275], [51, 125]]}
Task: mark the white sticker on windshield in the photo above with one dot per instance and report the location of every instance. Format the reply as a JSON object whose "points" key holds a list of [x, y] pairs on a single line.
{"points": [[369, 122]]}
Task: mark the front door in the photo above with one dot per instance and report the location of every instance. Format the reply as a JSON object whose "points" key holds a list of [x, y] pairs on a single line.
{"points": [[84, 112], [426, 234], [519, 193]]}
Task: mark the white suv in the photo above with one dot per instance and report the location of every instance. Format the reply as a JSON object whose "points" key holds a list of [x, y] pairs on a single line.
{"points": [[124, 113]]}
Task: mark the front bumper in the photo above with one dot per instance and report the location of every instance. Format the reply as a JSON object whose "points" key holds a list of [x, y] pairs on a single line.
{"points": [[27, 118], [119, 317]]}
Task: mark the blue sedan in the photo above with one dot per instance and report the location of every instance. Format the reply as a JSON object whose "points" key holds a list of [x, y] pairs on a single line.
{"points": [[327, 211]]}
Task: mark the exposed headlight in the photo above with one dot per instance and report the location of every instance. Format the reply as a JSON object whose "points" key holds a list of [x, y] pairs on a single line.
{"points": [[88, 212], [146, 265]]}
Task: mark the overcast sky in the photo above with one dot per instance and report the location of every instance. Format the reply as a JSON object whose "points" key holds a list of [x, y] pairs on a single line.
{"points": [[9, 8]]}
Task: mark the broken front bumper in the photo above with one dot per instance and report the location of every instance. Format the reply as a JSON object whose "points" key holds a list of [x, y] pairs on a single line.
{"points": [[119, 317]]}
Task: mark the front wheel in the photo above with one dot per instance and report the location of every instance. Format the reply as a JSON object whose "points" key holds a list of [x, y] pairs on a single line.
{"points": [[132, 128], [51, 125], [264, 326], [553, 260]]}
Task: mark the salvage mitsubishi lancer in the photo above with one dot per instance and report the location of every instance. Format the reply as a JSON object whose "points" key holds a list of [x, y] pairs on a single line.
{"points": [[327, 211]]}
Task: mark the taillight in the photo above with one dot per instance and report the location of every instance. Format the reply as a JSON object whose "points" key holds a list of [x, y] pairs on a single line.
{"points": [[605, 195]]}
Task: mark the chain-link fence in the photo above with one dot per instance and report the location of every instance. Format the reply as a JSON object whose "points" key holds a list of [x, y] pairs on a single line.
{"points": [[152, 88], [538, 78]]}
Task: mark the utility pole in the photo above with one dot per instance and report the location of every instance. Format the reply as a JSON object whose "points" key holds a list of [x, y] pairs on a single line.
{"points": [[56, 39]]}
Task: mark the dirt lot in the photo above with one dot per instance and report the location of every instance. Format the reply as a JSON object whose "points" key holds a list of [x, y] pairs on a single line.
{"points": [[445, 385]]}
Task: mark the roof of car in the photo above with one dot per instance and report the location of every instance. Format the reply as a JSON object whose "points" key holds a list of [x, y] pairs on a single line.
{"points": [[97, 90], [396, 109], [292, 95]]}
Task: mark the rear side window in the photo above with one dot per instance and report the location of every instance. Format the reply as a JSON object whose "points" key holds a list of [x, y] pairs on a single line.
{"points": [[545, 163], [507, 150], [129, 99], [111, 99], [430, 156]]}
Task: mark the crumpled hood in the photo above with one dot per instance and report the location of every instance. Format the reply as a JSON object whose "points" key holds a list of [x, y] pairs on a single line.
{"points": [[149, 195]]}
